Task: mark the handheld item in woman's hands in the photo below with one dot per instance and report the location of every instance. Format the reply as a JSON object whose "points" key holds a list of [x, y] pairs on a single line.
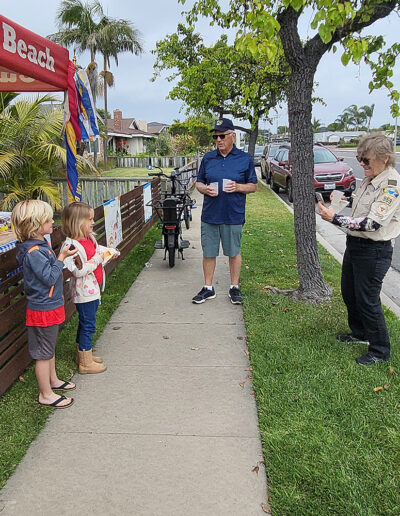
{"points": [[320, 198]]}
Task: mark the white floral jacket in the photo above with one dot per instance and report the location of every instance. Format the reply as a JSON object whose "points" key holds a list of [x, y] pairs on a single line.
{"points": [[84, 286]]}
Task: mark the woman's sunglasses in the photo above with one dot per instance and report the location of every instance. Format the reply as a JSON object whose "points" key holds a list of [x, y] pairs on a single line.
{"points": [[360, 159], [221, 136]]}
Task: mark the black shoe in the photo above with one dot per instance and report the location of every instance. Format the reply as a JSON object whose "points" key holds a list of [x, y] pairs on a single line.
{"points": [[370, 359], [235, 295], [203, 295], [348, 337]]}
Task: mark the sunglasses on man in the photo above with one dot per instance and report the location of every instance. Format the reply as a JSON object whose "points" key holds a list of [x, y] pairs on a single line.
{"points": [[366, 161], [221, 136]]}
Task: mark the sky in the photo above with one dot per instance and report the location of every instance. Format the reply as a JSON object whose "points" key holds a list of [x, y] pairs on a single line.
{"points": [[142, 99]]}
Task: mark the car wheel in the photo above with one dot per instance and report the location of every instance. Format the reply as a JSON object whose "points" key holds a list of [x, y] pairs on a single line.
{"points": [[274, 186], [262, 173], [289, 190], [268, 177]]}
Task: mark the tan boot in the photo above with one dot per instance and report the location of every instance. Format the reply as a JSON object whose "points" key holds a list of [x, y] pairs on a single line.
{"points": [[98, 360], [86, 364]]}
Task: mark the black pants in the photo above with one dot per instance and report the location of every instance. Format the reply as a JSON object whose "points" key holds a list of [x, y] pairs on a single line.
{"points": [[365, 264]]}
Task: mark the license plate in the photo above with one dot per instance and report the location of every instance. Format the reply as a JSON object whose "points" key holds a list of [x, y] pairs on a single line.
{"points": [[330, 186]]}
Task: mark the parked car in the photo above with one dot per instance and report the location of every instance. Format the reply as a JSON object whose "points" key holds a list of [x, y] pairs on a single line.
{"points": [[265, 163], [330, 172], [259, 149]]}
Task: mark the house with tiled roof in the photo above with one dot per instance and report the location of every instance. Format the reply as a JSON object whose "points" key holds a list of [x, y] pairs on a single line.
{"points": [[129, 135]]}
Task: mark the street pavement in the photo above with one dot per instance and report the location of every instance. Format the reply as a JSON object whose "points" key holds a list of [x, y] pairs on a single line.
{"points": [[171, 428]]}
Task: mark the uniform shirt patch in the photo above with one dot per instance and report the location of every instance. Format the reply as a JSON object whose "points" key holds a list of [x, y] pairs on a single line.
{"points": [[393, 192], [382, 209], [388, 199], [392, 182]]}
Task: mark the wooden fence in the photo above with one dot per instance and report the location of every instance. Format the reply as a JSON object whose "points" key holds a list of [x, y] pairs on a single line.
{"points": [[14, 357], [95, 190]]}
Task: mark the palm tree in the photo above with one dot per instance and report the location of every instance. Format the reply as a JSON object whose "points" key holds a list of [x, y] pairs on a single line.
{"points": [[343, 120], [78, 25], [368, 111], [31, 150], [117, 36], [6, 97], [357, 116], [84, 24], [316, 124]]}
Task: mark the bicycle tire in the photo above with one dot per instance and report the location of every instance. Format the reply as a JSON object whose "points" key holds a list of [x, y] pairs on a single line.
{"points": [[171, 256], [186, 216]]}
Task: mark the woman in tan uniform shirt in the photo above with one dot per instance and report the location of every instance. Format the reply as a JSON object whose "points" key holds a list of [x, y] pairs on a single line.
{"points": [[371, 230]]}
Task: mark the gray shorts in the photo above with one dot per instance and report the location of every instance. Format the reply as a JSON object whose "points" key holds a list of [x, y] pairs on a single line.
{"points": [[42, 341], [229, 235]]}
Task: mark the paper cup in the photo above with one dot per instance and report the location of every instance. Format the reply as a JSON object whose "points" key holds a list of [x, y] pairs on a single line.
{"points": [[215, 186], [224, 183]]}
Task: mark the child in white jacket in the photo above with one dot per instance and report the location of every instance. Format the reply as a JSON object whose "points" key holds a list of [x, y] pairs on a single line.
{"points": [[87, 282]]}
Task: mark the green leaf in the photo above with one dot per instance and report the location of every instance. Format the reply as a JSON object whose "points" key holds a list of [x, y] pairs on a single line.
{"points": [[325, 33], [345, 59]]}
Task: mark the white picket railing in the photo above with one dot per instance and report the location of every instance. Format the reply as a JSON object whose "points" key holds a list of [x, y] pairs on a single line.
{"points": [[158, 161], [96, 190]]}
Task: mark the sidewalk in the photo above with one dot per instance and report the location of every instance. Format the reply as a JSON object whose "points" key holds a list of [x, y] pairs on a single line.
{"points": [[167, 430]]}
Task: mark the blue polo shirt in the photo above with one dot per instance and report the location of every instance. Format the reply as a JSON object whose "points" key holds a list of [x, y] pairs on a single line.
{"points": [[226, 208]]}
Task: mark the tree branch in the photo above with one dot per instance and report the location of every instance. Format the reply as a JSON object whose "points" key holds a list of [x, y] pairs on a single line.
{"points": [[315, 47]]}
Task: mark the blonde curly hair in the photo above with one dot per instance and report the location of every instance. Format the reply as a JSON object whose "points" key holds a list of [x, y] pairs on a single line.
{"points": [[28, 217]]}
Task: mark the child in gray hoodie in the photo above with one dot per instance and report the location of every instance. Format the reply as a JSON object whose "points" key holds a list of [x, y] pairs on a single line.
{"points": [[43, 282]]}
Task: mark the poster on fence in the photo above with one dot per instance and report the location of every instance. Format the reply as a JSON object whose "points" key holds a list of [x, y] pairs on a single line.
{"points": [[112, 222], [148, 210]]}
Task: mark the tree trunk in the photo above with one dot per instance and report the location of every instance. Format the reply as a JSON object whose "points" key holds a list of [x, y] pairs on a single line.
{"points": [[105, 112], [312, 284], [303, 62], [253, 140]]}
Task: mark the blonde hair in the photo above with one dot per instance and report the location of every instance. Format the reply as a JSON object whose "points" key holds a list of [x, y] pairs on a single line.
{"points": [[28, 217], [73, 218], [379, 145]]}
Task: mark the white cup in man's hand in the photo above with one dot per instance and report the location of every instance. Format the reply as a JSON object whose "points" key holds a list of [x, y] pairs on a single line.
{"points": [[214, 186], [225, 183]]}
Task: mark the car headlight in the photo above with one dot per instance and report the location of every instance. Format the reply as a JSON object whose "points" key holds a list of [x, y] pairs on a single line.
{"points": [[349, 172]]}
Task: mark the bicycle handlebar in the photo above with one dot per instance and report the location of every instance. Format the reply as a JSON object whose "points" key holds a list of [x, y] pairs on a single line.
{"points": [[159, 174]]}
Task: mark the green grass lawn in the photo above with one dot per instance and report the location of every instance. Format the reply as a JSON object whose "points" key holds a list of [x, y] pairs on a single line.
{"points": [[331, 444], [132, 172], [21, 419]]}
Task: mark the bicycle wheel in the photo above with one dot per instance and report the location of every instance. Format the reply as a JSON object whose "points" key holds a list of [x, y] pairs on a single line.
{"points": [[171, 256], [186, 216]]}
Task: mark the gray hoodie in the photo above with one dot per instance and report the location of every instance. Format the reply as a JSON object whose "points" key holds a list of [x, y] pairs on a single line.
{"points": [[42, 275]]}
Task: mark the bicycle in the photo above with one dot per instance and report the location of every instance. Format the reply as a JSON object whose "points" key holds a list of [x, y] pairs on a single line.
{"points": [[174, 207]]}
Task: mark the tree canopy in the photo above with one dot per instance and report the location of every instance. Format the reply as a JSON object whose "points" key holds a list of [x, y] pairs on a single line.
{"points": [[220, 78]]}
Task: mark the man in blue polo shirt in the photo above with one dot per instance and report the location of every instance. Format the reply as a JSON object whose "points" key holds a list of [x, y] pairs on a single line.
{"points": [[226, 175]]}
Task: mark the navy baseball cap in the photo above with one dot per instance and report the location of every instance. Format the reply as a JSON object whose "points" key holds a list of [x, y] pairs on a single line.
{"points": [[223, 124]]}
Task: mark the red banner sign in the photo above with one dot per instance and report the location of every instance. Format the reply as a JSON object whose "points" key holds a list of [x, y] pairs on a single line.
{"points": [[29, 62]]}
